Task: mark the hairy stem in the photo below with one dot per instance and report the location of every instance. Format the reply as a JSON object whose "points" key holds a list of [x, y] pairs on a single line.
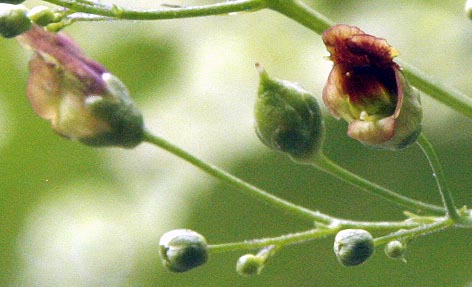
{"points": [[415, 232], [438, 174], [408, 230], [326, 165], [279, 241]]}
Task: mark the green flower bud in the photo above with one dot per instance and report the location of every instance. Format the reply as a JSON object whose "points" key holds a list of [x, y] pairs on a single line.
{"points": [[368, 90], [182, 250], [353, 246], [80, 98], [288, 118], [396, 250], [13, 20], [42, 15], [249, 265], [12, 1]]}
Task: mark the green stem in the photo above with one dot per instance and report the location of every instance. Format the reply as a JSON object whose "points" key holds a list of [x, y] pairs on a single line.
{"points": [[279, 241], [301, 13], [442, 93], [238, 183], [170, 13], [438, 174], [306, 16], [415, 232], [262, 195], [313, 234], [325, 164]]}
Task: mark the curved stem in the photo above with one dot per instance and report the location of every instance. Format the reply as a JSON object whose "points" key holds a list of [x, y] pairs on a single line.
{"points": [[332, 222], [115, 11], [325, 164], [306, 16], [438, 174], [301, 13], [442, 93], [240, 184]]}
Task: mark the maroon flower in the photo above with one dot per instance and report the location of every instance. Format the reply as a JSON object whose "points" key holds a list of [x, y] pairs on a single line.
{"points": [[368, 90], [80, 98]]}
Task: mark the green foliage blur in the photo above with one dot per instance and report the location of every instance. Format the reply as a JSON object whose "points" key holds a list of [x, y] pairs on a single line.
{"points": [[71, 215]]}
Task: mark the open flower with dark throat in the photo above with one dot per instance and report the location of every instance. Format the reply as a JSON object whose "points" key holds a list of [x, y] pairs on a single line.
{"points": [[80, 98], [368, 90]]}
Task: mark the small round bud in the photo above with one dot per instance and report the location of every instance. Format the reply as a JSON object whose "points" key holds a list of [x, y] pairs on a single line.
{"points": [[353, 246], [42, 15], [13, 20], [396, 250], [12, 1], [249, 265], [288, 118], [182, 250]]}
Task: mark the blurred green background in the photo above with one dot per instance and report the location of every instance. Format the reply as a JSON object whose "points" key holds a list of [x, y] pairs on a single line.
{"points": [[76, 216]]}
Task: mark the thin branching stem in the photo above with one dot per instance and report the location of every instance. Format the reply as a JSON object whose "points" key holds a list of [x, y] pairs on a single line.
{"points": [[438, 175], [326, 165], [238, 183], [162, 13]]}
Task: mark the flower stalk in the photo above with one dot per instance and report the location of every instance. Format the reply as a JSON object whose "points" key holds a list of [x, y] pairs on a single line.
{"points": [[438, 175], [117, 12]]}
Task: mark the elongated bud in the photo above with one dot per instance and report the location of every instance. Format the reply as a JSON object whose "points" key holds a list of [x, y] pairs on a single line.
{"points": [[13, 20], [396, 250], [353, 246], [288, 118], [182, 250], [249, 265], [80, 98], [368, 90]]}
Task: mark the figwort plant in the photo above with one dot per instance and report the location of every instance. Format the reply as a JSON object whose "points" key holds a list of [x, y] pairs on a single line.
{"points": [[368, 87]]}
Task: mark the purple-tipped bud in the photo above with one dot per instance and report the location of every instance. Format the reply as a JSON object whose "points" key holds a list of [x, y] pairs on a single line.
{"points": [[80, 98]]}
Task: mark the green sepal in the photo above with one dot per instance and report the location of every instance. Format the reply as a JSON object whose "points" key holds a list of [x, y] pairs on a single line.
{"points": [[288, 118]]}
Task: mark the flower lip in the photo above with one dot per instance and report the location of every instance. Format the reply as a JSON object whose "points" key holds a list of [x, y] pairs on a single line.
{"points": [[368, 89], [350, 46]]}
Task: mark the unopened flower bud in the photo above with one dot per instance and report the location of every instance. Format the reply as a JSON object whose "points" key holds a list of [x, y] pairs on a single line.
{"points": [[288, 118], [42, 15], [13, 20], [182, 250], [249, 265], [353, 246], [80, 98], [396, 250], [12, 1], [368, 90]]}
